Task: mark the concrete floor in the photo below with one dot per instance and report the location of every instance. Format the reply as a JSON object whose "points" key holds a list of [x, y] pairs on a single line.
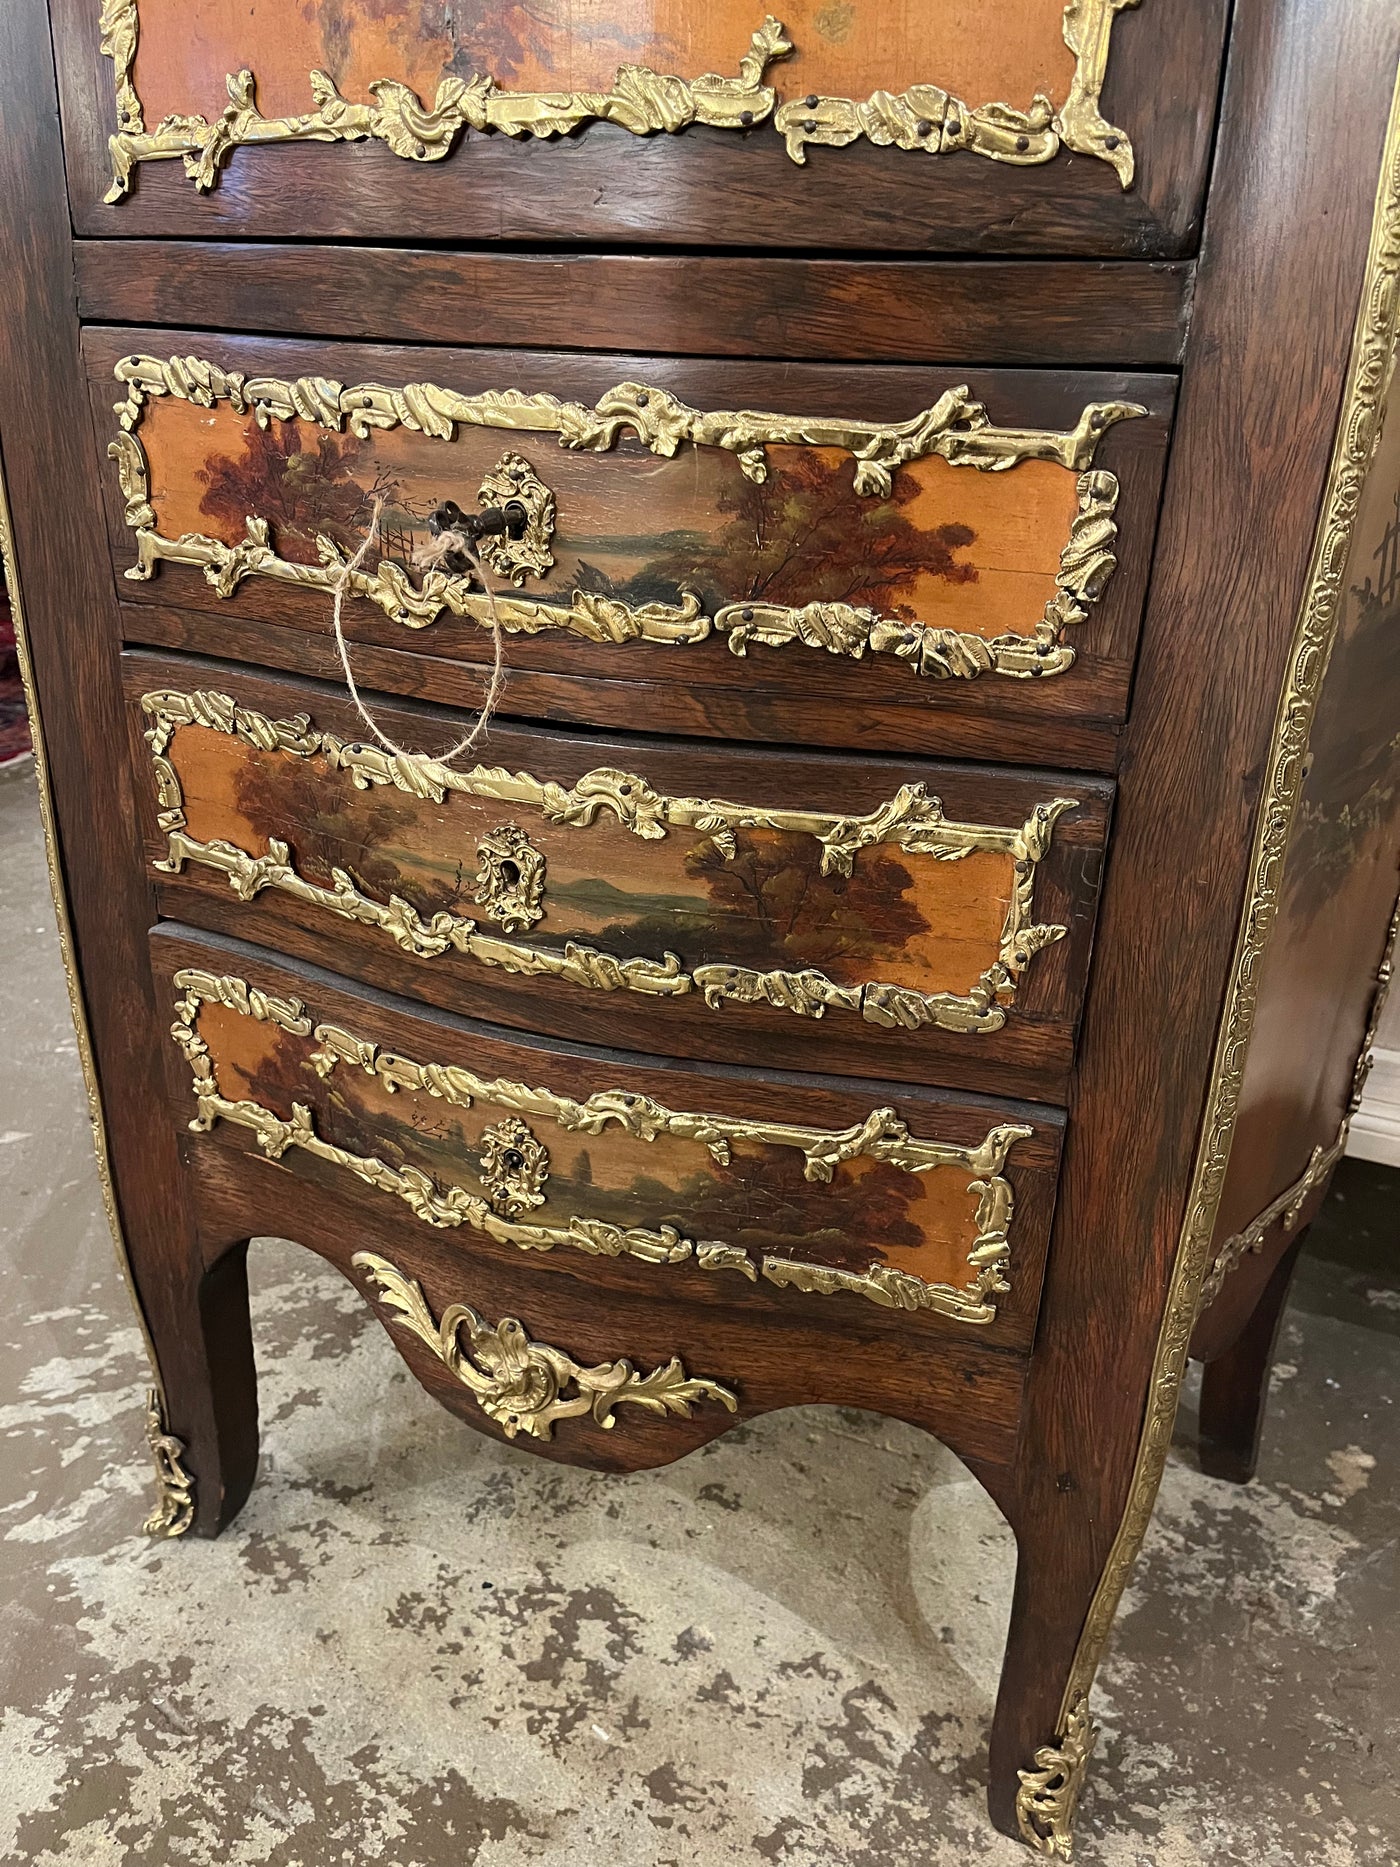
{"points": [[416, 1647]]}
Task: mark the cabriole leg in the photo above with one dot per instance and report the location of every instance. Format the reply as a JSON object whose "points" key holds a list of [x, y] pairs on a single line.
{"points": [[202, 1420], [1235, 1386], [1038, 1758]]}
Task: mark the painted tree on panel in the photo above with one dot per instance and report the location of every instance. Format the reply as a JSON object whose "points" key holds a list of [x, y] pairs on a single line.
{"points": [[765, 1204], [798, 914], [303, 480], [762, 1200], [473, 35], [806, 536], [769, 905]]}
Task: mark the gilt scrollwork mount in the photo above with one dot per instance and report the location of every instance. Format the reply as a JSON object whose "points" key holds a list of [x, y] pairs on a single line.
{"points": [[173, 1514], [513, 1165], [511, 882], [1087, 561], [956, 429], [510, 879], [1359, 431], [924, 118], [1048, 1799], [882, 1136], [527, 1386], [515, 554]]}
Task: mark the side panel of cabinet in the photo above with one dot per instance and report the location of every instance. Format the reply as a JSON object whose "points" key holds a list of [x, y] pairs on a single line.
{"points": [[1333, 941]]}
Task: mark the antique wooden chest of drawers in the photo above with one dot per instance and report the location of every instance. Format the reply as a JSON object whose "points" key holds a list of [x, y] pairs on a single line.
{"points": [[909, 933]]}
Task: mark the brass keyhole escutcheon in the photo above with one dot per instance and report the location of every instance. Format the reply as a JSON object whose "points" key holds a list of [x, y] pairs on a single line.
{"points": [[510, 879], [510, 534], [521, 548], [514, 1165]]}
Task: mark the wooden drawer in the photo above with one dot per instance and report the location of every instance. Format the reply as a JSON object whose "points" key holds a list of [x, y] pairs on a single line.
{"points": [[701, 1184], [898, 545], [998, 125], [564, 1313], [901, 918]]}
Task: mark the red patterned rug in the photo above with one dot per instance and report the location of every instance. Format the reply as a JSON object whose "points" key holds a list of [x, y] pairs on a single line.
{"points": [[14, 722]]}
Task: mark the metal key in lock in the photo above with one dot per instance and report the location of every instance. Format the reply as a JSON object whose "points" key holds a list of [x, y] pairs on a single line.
{"points": [[512, 531]]}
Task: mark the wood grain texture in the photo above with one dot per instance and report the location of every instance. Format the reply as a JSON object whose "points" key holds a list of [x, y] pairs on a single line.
{"points": [[943, 725], [254, 1061], [706, 187], [772, 1358], [1085, 314], [1029, 1056], [1049, 1413], [1250, 460], [975, 552]]}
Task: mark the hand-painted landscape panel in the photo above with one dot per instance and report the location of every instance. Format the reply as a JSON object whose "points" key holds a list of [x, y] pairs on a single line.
{"points": [[950, 547], [911, 919], [982, 50], [870, 1213]]}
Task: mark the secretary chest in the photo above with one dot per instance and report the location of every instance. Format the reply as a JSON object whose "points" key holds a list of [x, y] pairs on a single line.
{"points": [[910, 487]]}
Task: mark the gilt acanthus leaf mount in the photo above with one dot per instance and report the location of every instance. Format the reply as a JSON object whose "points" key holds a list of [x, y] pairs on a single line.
{"points": [[924, 118]]}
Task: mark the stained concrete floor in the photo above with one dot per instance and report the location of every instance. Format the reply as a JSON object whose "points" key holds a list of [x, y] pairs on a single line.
{"points": [[418, 1648]]}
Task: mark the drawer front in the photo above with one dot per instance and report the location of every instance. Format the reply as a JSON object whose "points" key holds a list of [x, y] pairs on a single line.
{"points": [[902, 918], [1012, 124], [888, 538], [931, 1205]]}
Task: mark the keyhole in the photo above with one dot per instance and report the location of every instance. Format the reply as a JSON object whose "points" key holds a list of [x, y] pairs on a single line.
{"points": [[513, 1160], [510, 873]]}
